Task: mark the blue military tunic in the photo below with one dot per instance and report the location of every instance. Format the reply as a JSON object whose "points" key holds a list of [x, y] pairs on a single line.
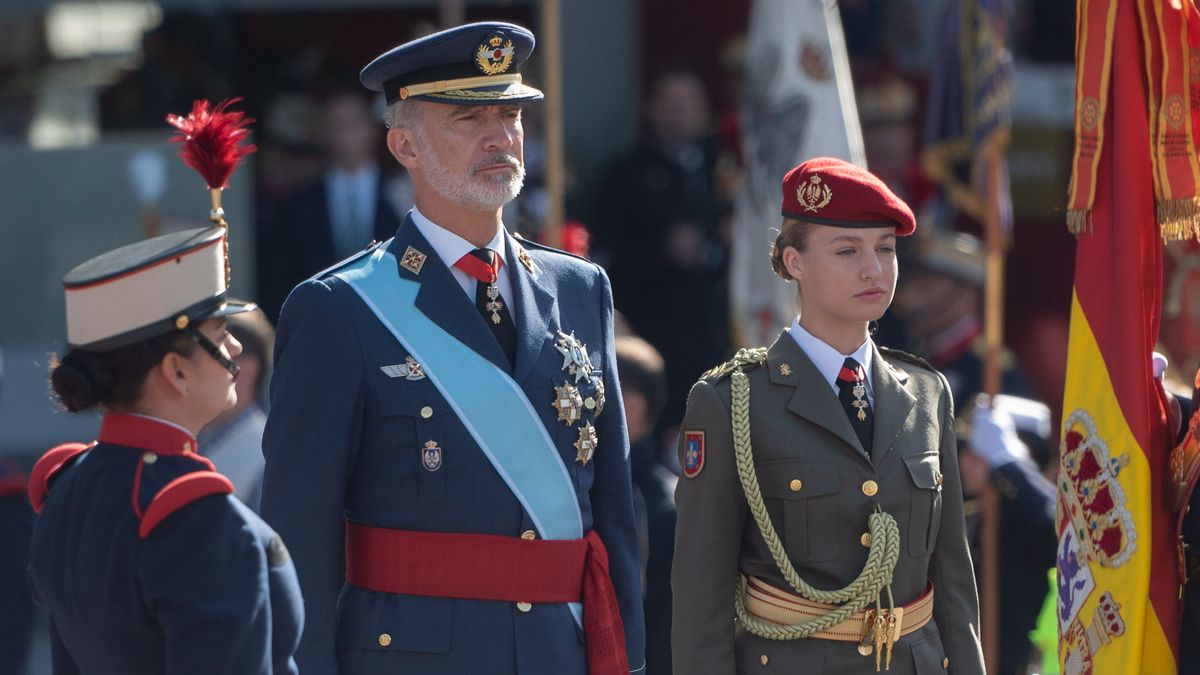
{"points": [[148, 565], [358, 431]]}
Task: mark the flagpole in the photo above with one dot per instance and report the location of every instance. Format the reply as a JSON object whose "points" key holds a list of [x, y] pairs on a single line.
{"points": [[993, 323], [550, 46]]}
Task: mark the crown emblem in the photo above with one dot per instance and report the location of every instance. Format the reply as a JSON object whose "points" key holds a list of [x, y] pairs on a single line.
{"points": [[1092, 497], [814, 195], [1080, 642], [494, 56]]}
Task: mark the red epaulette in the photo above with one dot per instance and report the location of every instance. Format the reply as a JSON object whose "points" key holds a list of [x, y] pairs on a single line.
{"points": [[51, 463], [178, 494]]}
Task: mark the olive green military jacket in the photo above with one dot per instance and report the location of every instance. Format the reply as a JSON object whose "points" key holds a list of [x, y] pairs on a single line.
{"points": [[799, 432]]}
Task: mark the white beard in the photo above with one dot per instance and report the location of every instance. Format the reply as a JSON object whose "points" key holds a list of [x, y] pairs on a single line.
{"points": [[482, 193]]}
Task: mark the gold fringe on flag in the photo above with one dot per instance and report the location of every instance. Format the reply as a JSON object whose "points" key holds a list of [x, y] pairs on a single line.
{"points": [[1079, 221], [1179, 219]]}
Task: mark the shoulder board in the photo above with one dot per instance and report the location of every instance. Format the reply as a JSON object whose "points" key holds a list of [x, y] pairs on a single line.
{"points": [[342, 263], [48, 467], [905, 356], [533, 245], [744, 357], [915, 360], [179, 493]]}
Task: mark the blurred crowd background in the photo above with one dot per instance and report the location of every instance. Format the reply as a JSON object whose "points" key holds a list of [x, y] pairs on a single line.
{"points": [[651, 94]]}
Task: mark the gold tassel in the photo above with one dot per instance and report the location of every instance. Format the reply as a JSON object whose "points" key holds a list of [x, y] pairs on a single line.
{"points": [[1079, 221], [1179, 219]]}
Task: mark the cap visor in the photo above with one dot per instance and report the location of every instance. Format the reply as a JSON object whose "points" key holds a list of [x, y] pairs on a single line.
{"points": [[511, 93], [227, 309]]}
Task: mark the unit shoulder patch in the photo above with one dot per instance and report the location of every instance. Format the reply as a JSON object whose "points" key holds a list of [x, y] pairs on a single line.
{"points": [[693, 453]]}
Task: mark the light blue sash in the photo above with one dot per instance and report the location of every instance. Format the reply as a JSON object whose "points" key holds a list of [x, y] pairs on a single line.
{"points": [[490, 404]]}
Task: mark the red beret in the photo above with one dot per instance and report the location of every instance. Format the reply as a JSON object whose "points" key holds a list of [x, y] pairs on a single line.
{"points": [[831, 191]]}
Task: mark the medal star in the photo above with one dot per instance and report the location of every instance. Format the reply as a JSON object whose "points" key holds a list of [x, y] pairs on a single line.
{"points": [[585, 447], [567, 402]]}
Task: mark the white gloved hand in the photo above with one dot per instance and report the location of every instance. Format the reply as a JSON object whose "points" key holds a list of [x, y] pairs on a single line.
{"points": [[994, 435]]}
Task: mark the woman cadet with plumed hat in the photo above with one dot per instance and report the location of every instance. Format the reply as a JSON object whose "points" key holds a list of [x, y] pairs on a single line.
{"points": [[146, 562]]}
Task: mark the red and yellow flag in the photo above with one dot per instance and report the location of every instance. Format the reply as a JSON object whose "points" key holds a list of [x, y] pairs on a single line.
{"points": [[1118, 607]]}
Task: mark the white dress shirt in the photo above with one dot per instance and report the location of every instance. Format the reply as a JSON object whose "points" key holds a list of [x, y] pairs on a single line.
{"points": [[829, 361], [450, 248]]}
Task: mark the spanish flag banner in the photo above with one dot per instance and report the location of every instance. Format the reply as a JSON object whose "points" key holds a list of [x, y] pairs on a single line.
{"points": [[1117, 606]]}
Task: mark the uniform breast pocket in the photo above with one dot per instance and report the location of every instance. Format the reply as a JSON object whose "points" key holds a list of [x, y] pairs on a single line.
{"points": [[926, 512], [424, 441], [807, 493]]}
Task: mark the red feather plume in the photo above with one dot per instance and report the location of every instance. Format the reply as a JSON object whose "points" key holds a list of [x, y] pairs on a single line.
{"points": [[212, 140]]}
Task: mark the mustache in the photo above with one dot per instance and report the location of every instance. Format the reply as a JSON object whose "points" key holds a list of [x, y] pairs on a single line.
{"points": [[509, 160]]}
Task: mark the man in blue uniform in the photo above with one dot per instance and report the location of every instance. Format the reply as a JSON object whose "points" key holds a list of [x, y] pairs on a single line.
{"points": [[453, 484]]}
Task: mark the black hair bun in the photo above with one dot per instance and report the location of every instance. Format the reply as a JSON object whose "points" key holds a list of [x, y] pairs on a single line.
{"points": [[81, 380]]}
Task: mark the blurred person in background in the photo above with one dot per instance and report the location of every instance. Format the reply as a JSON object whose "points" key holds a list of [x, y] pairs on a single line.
{"points": [[941, 299], [233, 441], [644, 389], [338, 214], [661, 229], [1007, 436]]}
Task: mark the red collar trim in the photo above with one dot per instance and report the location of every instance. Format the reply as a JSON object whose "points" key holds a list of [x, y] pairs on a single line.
{"points": [[146, 433]]}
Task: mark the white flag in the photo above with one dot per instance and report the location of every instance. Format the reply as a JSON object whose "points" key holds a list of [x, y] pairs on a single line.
{"points": [[798, 103]]}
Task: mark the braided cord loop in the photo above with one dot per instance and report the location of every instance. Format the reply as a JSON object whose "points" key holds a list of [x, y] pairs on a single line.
{"points": [[881, 558]]}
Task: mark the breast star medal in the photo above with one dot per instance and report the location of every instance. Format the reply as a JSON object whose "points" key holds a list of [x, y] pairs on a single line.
{"points": [[568, 403], [585, 447], [575, 357], [494, 305]]}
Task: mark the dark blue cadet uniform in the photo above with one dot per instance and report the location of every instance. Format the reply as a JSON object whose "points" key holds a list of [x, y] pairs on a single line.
{"points": [[148, 565]]}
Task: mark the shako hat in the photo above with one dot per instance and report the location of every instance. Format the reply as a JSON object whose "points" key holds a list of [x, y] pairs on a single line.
{"points": [[148, 288], [474, 64]]}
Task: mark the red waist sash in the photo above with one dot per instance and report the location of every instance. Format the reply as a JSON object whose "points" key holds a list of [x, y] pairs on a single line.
{"points": [[491, 567]]}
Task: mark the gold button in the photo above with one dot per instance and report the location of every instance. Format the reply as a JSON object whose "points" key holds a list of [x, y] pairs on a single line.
{"points": [[149, 458], [524, 606], [384, 639], [865, 539], [945, 663], [426, 412], [869, 488], [529, 535], [589, 403], [763, 659], [795, 485], [866, 650]]}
